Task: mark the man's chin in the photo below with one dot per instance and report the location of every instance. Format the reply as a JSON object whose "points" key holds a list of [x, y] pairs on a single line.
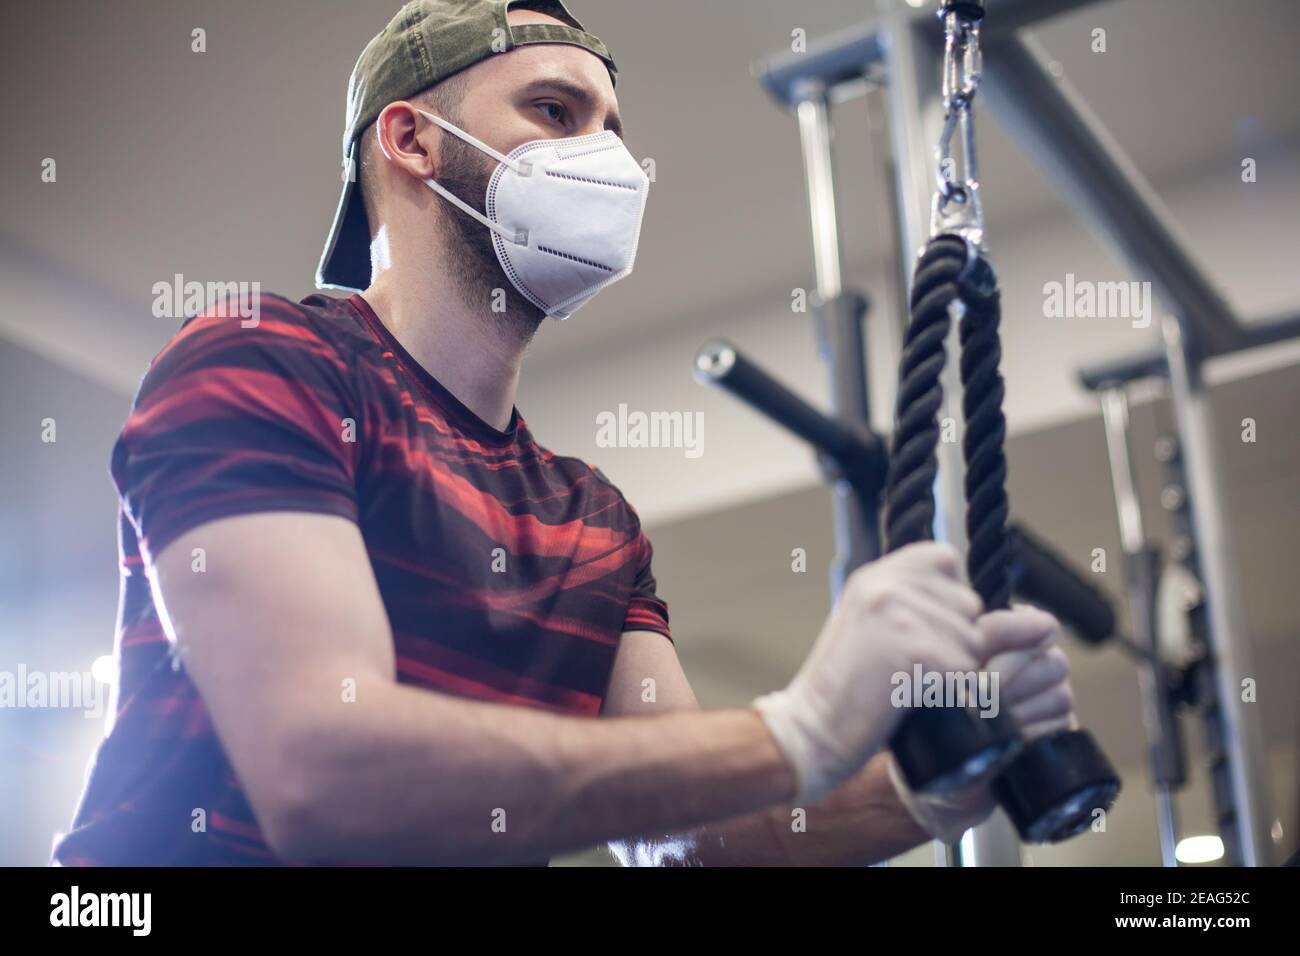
{"points": [[513, 311], [483, 287]]}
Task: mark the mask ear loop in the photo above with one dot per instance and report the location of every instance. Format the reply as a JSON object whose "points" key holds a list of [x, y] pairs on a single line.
{"points": [[523, 169]]}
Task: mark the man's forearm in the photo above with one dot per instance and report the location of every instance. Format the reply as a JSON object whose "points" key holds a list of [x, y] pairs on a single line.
{"points": [[861, 822], [414, 777]]}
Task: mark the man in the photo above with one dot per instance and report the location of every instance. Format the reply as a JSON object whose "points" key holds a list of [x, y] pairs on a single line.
{"points": [[367, 618]]}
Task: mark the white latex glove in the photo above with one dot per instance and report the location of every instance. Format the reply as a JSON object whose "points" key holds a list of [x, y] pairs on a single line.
{"points": [[908, 607], [1033, 683]]}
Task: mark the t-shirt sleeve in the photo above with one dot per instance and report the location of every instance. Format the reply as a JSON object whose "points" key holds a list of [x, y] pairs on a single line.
{"points": [[645, 610], [232, 420]]}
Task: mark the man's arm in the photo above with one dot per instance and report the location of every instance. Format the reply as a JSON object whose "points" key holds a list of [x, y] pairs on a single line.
{"points": [[286, 637], [862, 821]]}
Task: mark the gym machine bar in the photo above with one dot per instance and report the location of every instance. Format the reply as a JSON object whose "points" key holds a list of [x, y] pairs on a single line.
{"points": [[830, 64], [838, 319], [838, 61], [1052, 124], [1271, 331], [1197, 681], [1152, 364], [857, 454], [813, 113], [1141, 568], [1243, 732]]}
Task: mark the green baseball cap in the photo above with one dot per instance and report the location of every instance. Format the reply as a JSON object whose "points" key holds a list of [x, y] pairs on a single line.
{"points": [[425, 43]]}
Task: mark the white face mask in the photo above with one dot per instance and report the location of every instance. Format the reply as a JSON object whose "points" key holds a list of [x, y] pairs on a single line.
{"points": [[565, 215]]}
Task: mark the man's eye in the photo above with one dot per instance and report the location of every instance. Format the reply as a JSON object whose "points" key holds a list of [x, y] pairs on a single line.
{"points": [[554, 111]]}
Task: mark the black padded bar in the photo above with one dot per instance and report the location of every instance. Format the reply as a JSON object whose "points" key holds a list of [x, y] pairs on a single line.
{"points": [[719, 363], [1042, 577]]}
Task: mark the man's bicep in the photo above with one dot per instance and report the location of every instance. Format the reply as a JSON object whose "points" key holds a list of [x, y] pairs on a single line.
{"points": [[283, 612], [647, 678]]}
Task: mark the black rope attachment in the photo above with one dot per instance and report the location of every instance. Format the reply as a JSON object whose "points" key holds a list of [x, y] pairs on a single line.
{"points": [[953, 280]]}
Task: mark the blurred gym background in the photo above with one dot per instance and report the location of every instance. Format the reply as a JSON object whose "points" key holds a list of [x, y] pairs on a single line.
{"points": [[223, 166]]}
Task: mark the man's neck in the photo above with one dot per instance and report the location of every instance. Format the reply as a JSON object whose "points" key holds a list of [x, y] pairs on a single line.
{"points": [[475, 356]]}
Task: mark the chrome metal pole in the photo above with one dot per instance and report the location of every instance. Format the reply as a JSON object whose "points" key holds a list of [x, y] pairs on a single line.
{"points": [[1229, 639], [1114, 412], [813, 113], [839, 319]]}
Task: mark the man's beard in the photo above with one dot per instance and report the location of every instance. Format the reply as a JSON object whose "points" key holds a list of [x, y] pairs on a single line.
{"points": [[473, 262]]}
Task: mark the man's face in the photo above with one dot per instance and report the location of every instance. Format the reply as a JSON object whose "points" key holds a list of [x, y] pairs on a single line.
{"points": [[538, 91]]}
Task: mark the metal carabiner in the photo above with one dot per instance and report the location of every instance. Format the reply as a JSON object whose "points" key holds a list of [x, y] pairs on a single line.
{"points": [[957, 207]]}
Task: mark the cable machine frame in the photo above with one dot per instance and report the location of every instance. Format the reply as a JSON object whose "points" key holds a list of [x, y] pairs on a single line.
{"points": [[1052, 124]]}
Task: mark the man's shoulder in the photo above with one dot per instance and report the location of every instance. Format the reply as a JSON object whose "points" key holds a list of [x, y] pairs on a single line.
{"points": [[330, 319], [230, 329], [256, 339]]}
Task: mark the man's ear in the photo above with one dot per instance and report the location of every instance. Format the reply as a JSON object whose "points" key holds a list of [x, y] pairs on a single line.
{"points": [[407, 139]]}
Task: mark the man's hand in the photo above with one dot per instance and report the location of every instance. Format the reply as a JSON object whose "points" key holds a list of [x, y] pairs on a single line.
{"points": [[1033, 683], [908, 607]]}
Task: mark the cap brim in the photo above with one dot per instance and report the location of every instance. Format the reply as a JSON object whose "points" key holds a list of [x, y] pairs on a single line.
{"points": [[346, 261]]}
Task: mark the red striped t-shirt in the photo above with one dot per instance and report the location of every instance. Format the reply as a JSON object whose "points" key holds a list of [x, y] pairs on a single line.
{"points": [[318, 408]]}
